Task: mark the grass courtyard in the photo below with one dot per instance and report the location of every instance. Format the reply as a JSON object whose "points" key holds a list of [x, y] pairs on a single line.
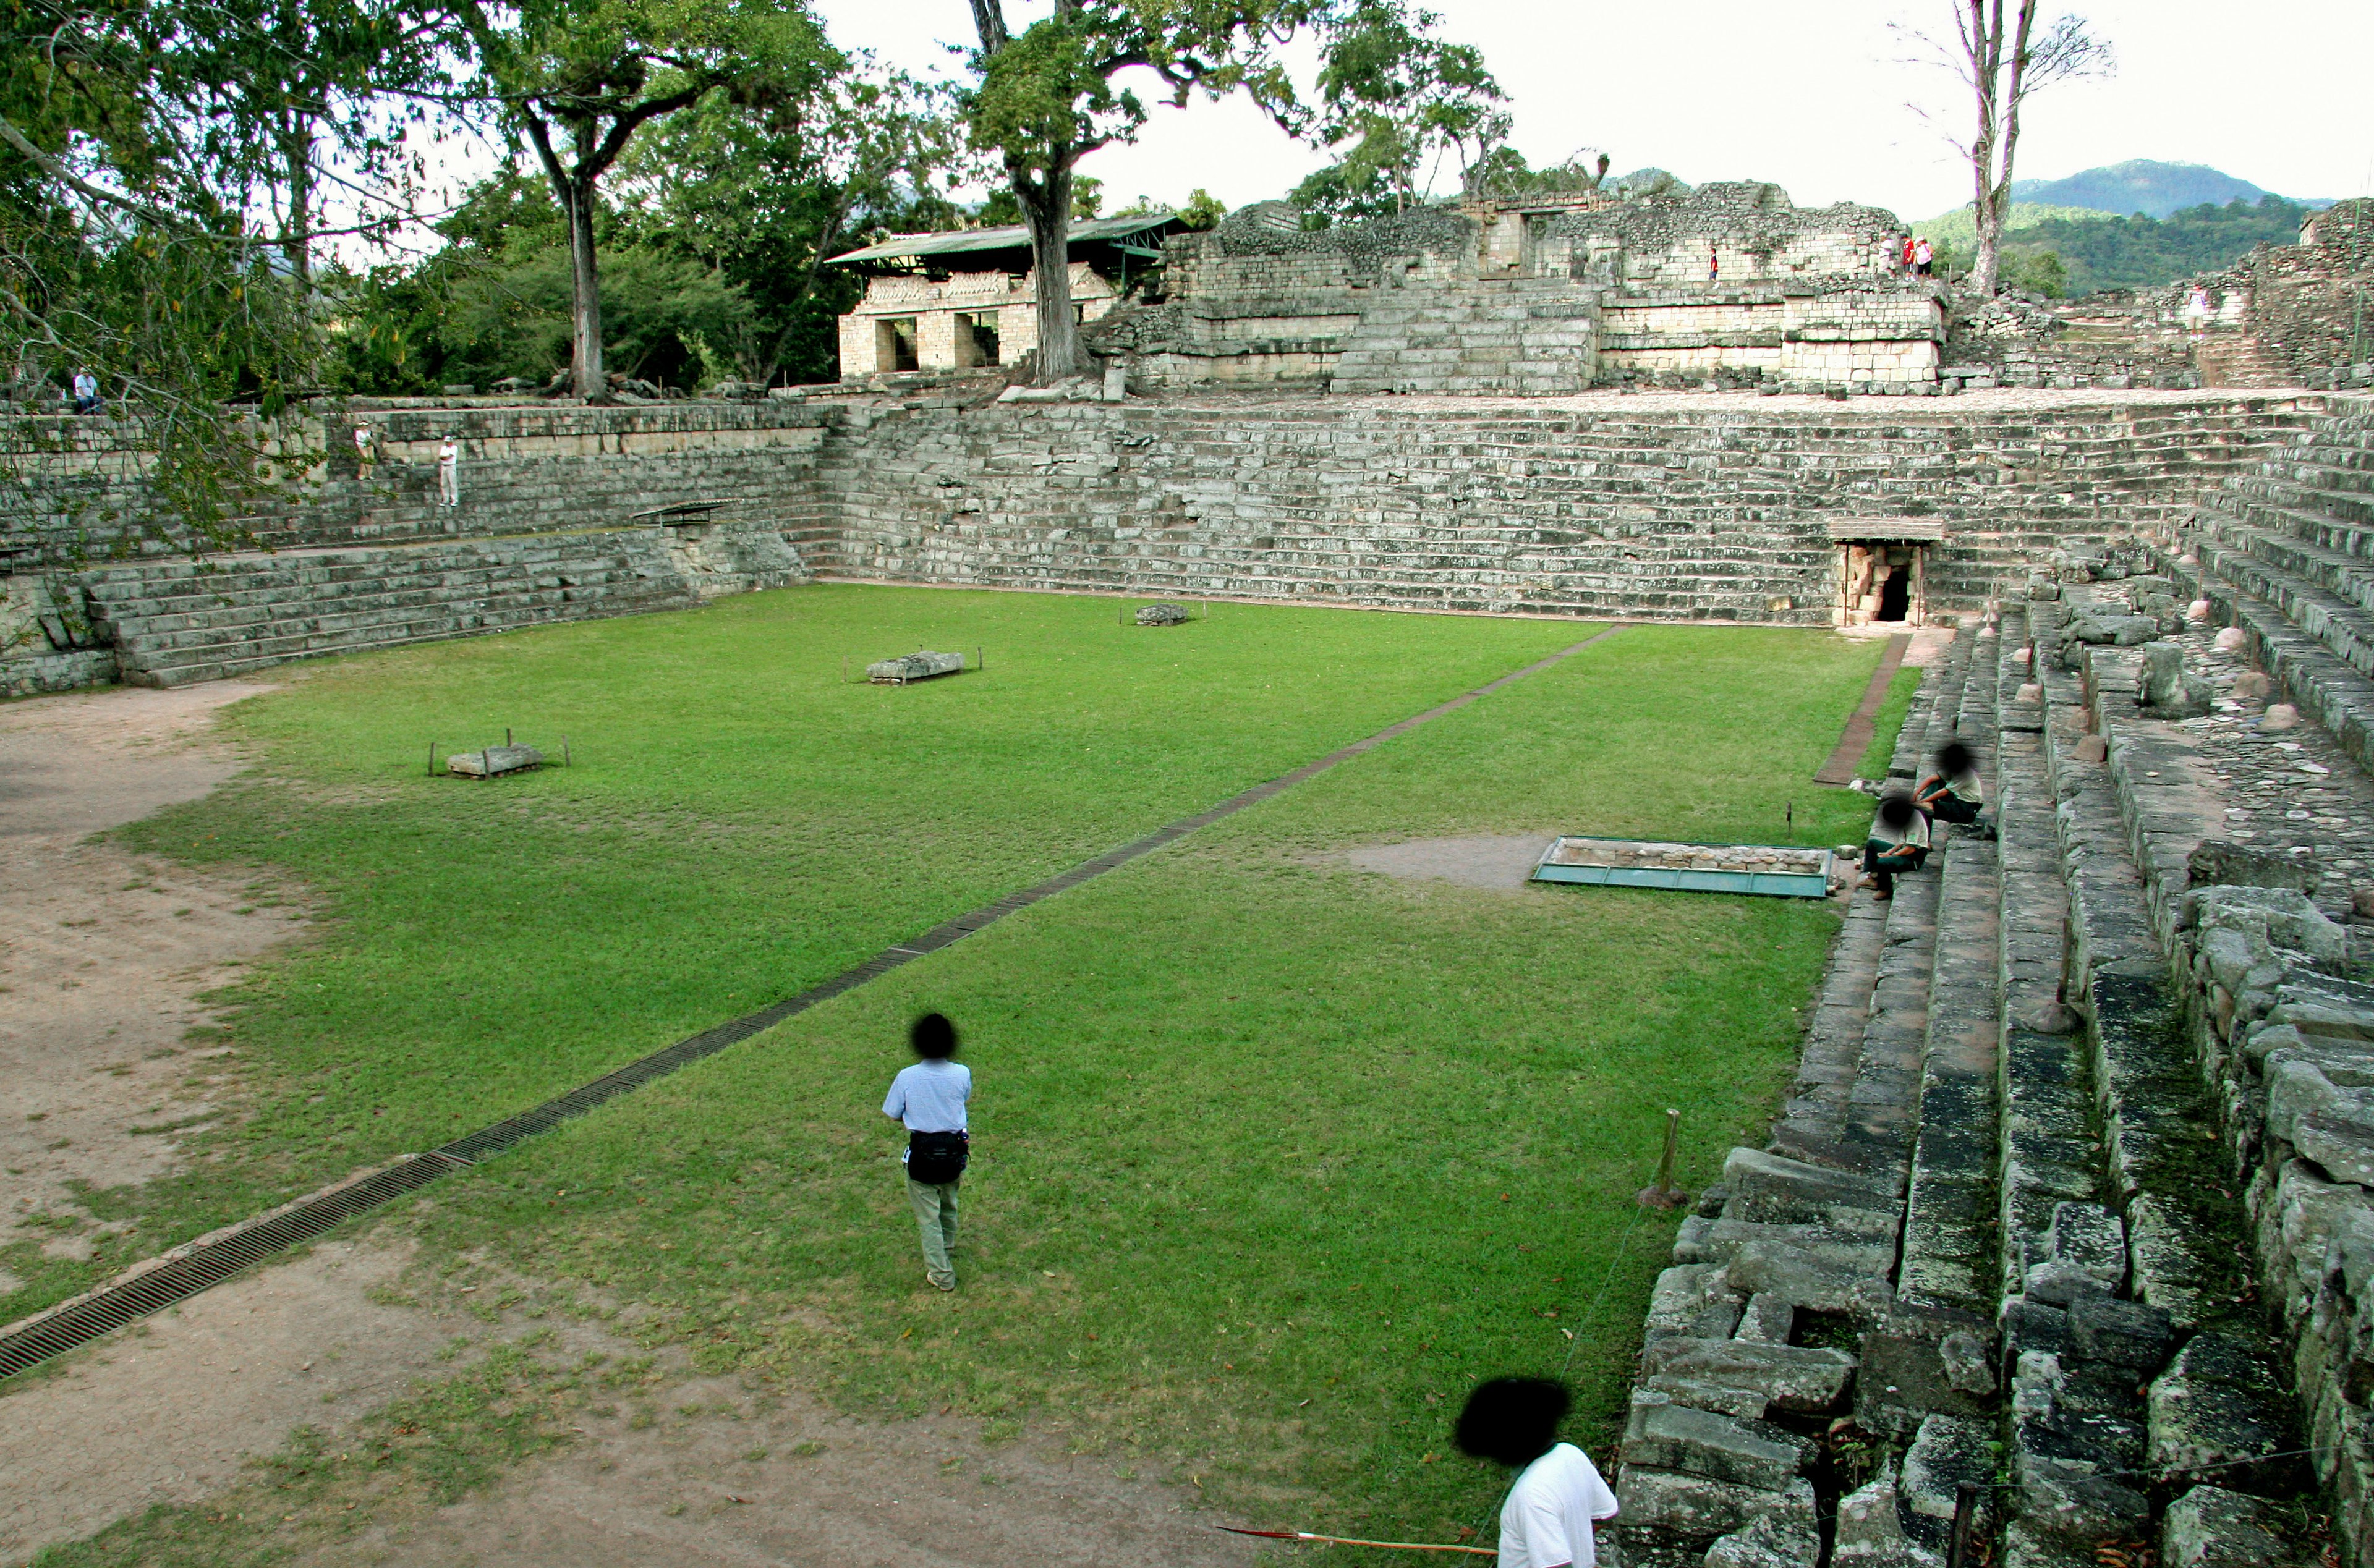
{"points": [[1273, 1155]]}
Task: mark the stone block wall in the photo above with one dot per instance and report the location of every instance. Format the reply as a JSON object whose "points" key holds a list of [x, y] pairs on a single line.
{"points": [[1882, 333], [2312, 304], [1498, 505], [523, 470]]}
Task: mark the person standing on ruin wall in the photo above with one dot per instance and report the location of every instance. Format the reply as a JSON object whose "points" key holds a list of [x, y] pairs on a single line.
{"points": [[1904, 253], [929, 1100], [449, 472], [1923, 255], [2197, 312], [366, 450]]}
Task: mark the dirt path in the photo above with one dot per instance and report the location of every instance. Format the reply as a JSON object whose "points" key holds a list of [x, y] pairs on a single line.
{"points": [[722, 1481], [103, 952]]}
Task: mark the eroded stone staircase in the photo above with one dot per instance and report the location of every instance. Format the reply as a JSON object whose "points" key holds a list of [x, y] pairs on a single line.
{"points": [[1525, 335], [1998, 1254]]}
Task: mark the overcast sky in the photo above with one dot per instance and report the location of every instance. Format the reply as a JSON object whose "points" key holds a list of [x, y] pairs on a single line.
{"points": [[1812, 95]]}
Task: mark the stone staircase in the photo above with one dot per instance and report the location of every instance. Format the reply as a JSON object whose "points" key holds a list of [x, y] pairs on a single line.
{"points": [[2286, 553], [1525, 335], [2239, 359], [1999, 1246], [175, 621]]}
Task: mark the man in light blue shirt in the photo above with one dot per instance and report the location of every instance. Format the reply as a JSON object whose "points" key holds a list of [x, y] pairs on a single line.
{"points": [[929, 1099]]}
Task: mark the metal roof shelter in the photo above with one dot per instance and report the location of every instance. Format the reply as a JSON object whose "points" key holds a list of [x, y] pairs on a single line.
{"points": [[1139, 234]]}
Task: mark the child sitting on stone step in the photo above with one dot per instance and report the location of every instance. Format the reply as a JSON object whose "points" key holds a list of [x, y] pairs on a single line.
{"points": [[1955, 792], [1899, 843]]}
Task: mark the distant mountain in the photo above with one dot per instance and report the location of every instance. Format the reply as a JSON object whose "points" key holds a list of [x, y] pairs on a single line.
{"points": [[2141, 185]]}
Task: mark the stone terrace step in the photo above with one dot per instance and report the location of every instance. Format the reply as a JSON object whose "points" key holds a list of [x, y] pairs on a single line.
{"points": [[2271, 568], [173, 624], [2323, 685]]}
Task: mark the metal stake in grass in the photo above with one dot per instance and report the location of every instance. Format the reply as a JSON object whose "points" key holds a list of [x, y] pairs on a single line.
{"points": [[432, 759], [1662, 1193]]}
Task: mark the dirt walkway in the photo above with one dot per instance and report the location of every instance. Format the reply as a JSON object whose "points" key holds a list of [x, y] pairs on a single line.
{"points": [[103, 952], [722, 1481]]}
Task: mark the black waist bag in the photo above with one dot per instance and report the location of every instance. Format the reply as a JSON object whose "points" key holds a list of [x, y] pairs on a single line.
{"points": [[936, 1157]]}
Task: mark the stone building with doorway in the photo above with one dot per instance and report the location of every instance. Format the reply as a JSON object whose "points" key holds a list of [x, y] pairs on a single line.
{"points": [[968, 301]]}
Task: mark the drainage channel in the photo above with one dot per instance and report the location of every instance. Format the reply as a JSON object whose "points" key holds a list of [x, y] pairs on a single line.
{"points": [[207, 1262]]}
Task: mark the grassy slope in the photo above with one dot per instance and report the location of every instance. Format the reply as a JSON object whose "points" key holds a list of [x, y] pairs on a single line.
{"points": [[1273, 1156], [739, 825]]}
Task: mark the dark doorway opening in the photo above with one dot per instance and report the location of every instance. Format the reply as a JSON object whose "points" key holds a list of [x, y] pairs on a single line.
{"points": [[1895, 595]]}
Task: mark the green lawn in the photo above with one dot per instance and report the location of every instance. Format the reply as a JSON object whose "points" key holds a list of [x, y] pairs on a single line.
{"points": [[1273, 1155]]}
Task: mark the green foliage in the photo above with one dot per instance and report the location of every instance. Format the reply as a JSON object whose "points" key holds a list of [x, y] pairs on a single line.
{"points": [[2090, 252], [1396, 99]]}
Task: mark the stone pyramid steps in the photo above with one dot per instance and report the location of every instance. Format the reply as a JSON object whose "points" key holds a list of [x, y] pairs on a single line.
{"points": [[173, 624], [1491, 335]]}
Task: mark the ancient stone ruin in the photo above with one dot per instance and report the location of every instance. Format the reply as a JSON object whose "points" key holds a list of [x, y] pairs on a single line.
{"points": [[2071, 1203]]}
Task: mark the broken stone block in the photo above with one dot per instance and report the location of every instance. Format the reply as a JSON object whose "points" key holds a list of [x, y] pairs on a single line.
{"points": [[2218, 861], [2253, 683], [2210, 1526], [1693, 1299], [2090, 748], [2073, 1504], [1769, 1319], [922, 665], [2197, 612], [2230, 640], [2124, 1333], [1869, 1247], [1695, 1509], [1774, 1189], [2121, 631], [2270, 917], [1870, 1531], [1808, 1380], [2170, 691], [2031, 1326], [1947, 1451], [1781, 1539], [1906, 1374], [2331, 1125], [2279, 717], [2222, 1400], [492, 762], [2086, 1255], [1817, 1283], [1661, 1435], [1163, 616]]}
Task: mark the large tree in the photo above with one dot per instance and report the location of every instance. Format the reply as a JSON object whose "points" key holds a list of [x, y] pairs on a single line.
{"points": [[1047, 96], [1400, 98], [2001, 55], [576, 82]]}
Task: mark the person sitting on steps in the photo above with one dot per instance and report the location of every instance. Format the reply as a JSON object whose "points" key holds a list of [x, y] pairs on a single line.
{"points": [[1954, 793], [1899, 843]]}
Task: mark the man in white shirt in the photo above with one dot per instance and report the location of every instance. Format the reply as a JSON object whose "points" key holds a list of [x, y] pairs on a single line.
{"points": [[1559, 1500], [929, 1100], [1899, 843], [449, 472]]}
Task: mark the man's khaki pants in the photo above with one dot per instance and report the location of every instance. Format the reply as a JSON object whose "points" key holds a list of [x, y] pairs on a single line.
{"points": [[936, 1217]]}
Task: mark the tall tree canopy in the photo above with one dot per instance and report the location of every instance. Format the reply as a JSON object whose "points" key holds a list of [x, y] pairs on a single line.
{"points": [[576, 82], [1047, 96], [1400, 100]]}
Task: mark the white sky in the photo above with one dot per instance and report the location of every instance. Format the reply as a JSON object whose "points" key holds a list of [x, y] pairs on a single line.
{"points": [[1810, 94]]}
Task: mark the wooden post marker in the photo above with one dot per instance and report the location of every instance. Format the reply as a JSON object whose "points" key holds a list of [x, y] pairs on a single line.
{"points": [[1662, 1193]]}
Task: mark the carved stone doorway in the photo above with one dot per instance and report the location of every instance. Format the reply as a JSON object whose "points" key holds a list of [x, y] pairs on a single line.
{"points": [[1883, 571]]}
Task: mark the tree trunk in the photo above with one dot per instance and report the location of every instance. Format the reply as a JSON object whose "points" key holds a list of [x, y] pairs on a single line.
{"points": [[297, 231], [585, 305], [1988, 215], [1048, 210]]}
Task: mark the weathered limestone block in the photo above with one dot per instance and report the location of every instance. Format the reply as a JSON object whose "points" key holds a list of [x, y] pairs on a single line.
{"points": [[2215, 860], [2331, 1125], [1784, 1538], [1693, 1300], [918, 666], [2085, 1256], [1774, 1189], [2168, 690], [1871, 1534], [1694, 1510], [1163, 616], [1664, 1435], [490, 762], [2122, 631], [2222, 1400], [1919, 1364], [1947, 1451], [1805, 1379], [1767, 1318], [1835, 1280], [1866, 1243], [2212, 1527], [2124, 1333]]}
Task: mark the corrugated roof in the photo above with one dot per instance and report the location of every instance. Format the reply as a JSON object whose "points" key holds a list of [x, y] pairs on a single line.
{"points": [[1014, 239], [1887, 529]]}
